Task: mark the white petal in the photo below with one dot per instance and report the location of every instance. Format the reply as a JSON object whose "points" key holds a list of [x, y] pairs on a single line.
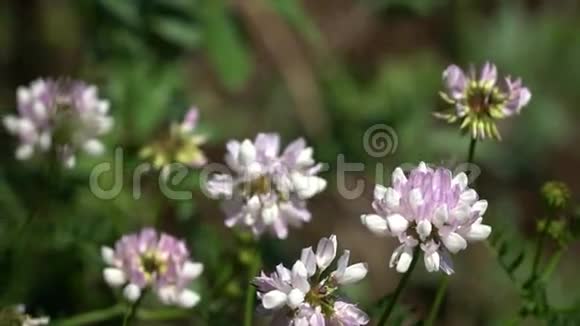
{"points": [[24, 152], [103, 107], [307, 186], [415, 198], [93, 147], [402, 258], [305, 157], [480, 207], [460, 213], [375, 223], [45, 140], [254, 204], [392, 198], [478, 232], [114, 277], [308, 258], [422, 167], [11, 123], [23, 95], [167, 295], [132, 292], [270, 214], [274, 299], [440, 216], [247, 153], [432, 261], [380, 192], [454, 242], [460, 180], [353, 273], [108, 255], [424, 229], [300, 277], [38, 87], [468, 196], [70, 161], [295, 298], [326, 252], [397, 223], [188, 299], [39, 110], [191, 270], [399, 176]]}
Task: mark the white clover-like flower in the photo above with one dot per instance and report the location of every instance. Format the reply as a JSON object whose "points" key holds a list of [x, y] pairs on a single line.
{"points": [[59, 117], [307, 295], [267, 191], [432, 209], [149, 260]]}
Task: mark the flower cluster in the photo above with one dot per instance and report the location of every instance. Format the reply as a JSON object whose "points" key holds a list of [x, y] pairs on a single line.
{"points": [[431, 209], [267, 191], [181, 145], [148, 260], [307, 294], [477, 102], [59, 115]]}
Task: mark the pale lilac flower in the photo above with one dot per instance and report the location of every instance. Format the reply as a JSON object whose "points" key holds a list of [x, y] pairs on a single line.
{"points": [[267, 191], [478, 101], [60, 117], [305, 295], [428, 208], [148, 260], [181, 144]]}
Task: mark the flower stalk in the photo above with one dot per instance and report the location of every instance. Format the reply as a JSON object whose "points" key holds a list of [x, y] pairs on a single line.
{"points": [[402, 283]]}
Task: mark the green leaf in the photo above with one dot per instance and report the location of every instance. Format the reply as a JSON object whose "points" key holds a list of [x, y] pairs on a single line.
{"points": [[125, 11], [224, 46], [180, 33]]}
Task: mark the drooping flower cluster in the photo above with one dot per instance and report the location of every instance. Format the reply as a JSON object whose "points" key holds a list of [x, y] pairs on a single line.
{"points": [[307, 295], [477, 102], [17, 316], [59, 117], [267, 191], [432, 209], [180, 145], [157, 262]]}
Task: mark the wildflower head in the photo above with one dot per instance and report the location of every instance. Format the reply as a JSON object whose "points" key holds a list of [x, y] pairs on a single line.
{"points": [[480, 100], [267, 191], [307, 294], [61, 117], [148, 260], [429, 208], [180, 145], [556, 194]]}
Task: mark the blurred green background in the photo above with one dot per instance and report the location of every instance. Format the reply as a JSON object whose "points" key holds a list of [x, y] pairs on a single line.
{"points": [[326, 70]]}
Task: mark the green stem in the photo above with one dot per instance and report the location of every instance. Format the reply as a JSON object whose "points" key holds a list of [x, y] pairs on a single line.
{"points": [[93, 317], [551, 265], [471, 155], [445, 282], [539, 249], [253, 269], [132, 311], [437, 302], [399, 289]]}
